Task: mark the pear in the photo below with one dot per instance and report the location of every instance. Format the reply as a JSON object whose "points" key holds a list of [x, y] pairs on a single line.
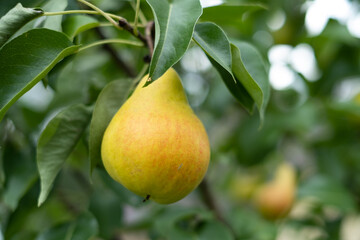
{"points": [[275, 199], [155, 145], [244, 185]]}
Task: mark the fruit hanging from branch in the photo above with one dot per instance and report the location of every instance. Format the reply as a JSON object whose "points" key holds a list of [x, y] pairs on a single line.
{"points": [[275, 199], [155, 145]]}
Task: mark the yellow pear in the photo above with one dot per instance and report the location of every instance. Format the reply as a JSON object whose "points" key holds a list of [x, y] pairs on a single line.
{"points": [[275, 199], [155, 145], [244, 185]]}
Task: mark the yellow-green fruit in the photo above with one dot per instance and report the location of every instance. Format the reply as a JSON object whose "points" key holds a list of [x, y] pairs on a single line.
{"points": [[357, 98], [155, 145], [243, 186], [275, 199]]}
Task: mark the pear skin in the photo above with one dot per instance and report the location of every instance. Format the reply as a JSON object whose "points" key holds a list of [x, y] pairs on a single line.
{"points": [[275, 199], [155, 145]]}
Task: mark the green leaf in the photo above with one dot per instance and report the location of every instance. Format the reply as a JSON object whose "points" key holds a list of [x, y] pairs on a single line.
{"points": [[9, 4], [329, 192], [57, 142], [235, 88], [84, 227], [76, 24], [229, 13], [54, 22], [26, 60], [107, 207], [244, 72], [3, 134], [24, 234], [249, 68], [15, 19], [174, 24], [248, 224], [123, 195], [214, 230], [212, 39], [56, 71], [336, 32], [108, 103], [214, 42], [346, 108], [20, 169], [170, 223], [59, 232], [2, 173], [18, 184], [72, 184]]}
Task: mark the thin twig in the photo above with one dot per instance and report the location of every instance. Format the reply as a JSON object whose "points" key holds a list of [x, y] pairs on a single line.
{"points": [[124, 24], [210, 202], [81, 12], [149, 37], [118, 60], [107, 41], [104, 14], [141, 14], [136, 16]]}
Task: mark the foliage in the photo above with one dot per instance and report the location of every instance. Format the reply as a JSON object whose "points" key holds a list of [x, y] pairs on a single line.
{"points": [[66, 66]]}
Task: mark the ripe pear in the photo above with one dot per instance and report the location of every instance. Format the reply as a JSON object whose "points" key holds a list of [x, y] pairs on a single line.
{"points": [[155, 145], [275, 199]]}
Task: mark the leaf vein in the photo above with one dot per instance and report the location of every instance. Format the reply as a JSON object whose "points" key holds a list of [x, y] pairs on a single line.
{"points": [[166, 34]]}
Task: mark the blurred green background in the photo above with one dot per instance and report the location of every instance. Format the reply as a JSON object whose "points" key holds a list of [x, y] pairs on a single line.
{"points": [[312, 50]]}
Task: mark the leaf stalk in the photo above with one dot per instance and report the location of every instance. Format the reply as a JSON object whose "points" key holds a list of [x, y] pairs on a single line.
{"points": [[107, 41]]}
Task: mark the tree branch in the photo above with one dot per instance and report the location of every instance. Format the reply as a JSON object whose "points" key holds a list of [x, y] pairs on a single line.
{"points": [[147, 39], [210, 202], [124, 24], [149, 33], [118, 60]]}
